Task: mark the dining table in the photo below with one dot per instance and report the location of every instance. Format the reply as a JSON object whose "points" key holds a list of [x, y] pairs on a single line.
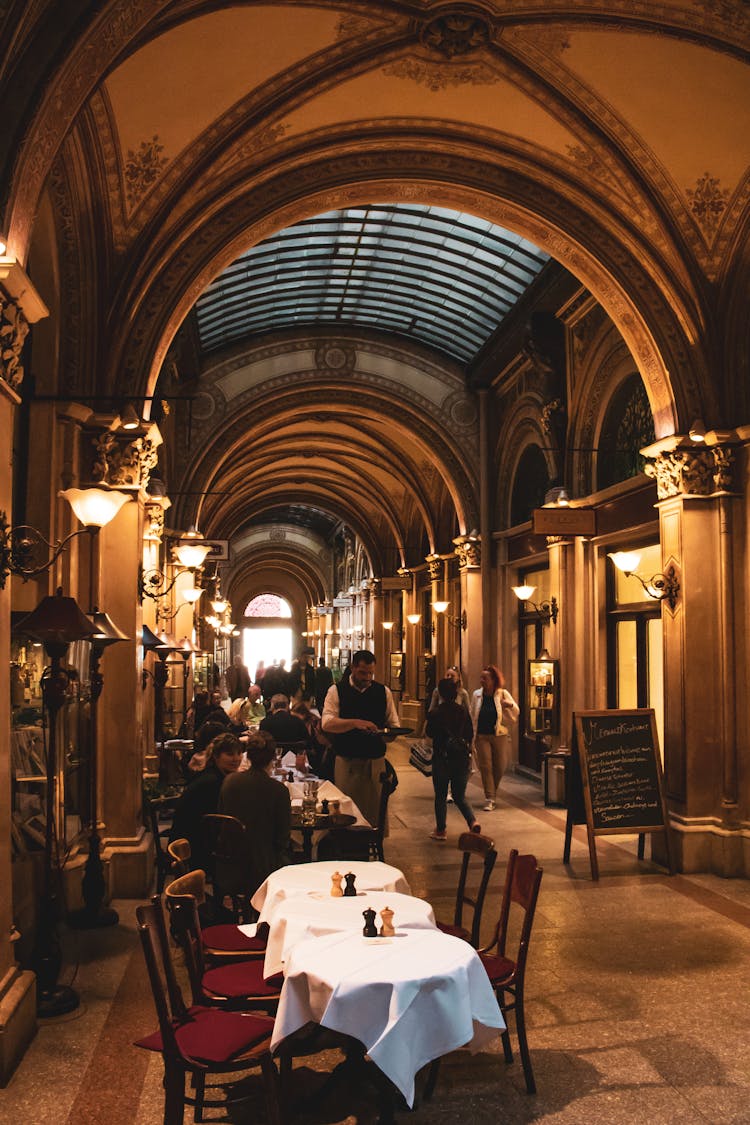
{"points": [[407, 999], [318, 912], [306, 878]]}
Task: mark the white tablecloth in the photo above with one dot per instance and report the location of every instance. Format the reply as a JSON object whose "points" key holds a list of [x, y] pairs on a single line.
{"points": [[313, 915], [303, 878], [408, 999]]}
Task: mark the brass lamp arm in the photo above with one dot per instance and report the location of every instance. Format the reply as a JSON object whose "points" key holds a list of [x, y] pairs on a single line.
{"points": [[20, 549]]}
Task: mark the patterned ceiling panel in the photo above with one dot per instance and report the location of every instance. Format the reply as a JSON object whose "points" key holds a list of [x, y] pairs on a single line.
{"points": [[441, 277]]}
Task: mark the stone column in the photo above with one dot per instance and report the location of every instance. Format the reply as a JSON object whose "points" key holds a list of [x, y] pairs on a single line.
{"points": [[702, 526], [473, 655], [20, 306]]}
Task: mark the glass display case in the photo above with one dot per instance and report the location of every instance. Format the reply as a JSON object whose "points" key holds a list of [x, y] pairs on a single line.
{"points": [[542, 697]]}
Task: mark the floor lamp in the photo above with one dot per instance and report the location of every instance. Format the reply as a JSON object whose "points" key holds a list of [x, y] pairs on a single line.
{"points": [[57, 622], [93, 914]]}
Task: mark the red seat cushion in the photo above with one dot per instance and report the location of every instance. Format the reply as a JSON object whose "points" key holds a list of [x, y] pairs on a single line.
{"points": [[454, 931], [244, 978], [213, 1036], [498, 969], [229, 939]]}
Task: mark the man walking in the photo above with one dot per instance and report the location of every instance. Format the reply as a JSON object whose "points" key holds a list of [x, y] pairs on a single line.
{"points": [[355, 713]]}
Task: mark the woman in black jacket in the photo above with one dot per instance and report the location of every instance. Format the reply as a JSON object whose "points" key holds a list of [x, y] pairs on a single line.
{"points": [[451, 730]]}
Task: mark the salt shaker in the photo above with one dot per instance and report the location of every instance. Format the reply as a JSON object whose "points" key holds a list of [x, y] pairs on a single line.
{"points": [[336, 891], [387, 930]]}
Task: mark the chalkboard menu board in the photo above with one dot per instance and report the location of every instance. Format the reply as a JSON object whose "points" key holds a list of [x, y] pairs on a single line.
{"points": [[615, 778]]}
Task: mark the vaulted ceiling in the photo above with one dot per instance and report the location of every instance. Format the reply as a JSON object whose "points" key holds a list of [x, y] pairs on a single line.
{"points": [[344, 192]]}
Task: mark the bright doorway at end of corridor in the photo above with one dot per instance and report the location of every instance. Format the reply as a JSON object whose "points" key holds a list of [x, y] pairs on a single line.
{"points": [[271, 645]]}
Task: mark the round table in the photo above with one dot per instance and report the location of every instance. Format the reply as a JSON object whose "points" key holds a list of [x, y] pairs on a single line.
{"points": [[302, 878]]}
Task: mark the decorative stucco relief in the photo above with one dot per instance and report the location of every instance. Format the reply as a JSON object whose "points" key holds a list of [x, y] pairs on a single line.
{"points": [[14, 328], [142, 168], [693, 472], [469, 551], [708, 203], [119, 462], [442, 76]]}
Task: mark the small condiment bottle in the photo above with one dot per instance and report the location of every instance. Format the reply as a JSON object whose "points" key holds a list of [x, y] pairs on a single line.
{"points": [[336, 891], [387, 930], [350, 890]]}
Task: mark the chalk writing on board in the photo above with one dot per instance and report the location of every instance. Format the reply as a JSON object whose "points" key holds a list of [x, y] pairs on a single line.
{"points": [[622, 774]]}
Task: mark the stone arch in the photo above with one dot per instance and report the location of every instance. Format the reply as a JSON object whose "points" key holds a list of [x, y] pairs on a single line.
{"points": [[652, 319], [521, 431]]}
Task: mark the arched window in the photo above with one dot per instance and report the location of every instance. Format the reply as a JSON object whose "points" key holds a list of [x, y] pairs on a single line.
{"points": [[530, 485], [628, 426], [268, 605]]}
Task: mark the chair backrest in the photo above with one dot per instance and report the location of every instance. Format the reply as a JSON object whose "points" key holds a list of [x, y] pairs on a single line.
{"points": [[225, 837], [472, 844], [162, 859], [180, 853], [164, 987], [192, 883], [186, 927], [522, 881]]}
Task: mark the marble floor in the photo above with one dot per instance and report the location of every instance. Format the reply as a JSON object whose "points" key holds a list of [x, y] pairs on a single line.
{"points": [[637, 995]]}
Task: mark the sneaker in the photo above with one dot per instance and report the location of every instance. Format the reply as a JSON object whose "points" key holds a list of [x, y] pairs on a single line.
{"points": [[488, 806], [442, 836]]}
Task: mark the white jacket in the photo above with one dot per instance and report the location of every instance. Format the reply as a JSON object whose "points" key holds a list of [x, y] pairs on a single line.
{"points": [[507, 709]]}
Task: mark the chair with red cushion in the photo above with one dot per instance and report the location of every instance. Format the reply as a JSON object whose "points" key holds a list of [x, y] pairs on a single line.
{"points": [[238, 984], [199, 1041], [225, 843], [471, 844], [522, 881], [220, 942]]}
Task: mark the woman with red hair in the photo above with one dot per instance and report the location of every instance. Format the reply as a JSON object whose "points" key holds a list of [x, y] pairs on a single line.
{"points": [[492, 710]]}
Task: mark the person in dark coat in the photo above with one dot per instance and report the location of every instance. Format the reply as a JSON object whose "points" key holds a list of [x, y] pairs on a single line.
{"points": [[302, 677], [323, 680], [202, 796], [451, 730], [264, 807], [237, 679], [282, 725]]}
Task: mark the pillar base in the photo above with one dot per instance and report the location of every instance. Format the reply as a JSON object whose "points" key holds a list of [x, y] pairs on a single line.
{"points": [[702, 846], [17, 1019], [131, 866]]}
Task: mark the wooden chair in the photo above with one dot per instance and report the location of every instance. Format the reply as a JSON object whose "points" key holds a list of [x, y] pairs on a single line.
{"points": [[162, 862], [522, 881], [199, 1041], [471, 844], [227, 849], [179, 852], [360, 841], [234, 985], [221, 942]]}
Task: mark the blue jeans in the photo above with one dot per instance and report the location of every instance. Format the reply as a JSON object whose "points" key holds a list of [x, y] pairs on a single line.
{"points": [[457, 774]]}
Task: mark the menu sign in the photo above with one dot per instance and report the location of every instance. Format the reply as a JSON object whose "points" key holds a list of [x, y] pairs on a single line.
{"points": [[616, 777]]}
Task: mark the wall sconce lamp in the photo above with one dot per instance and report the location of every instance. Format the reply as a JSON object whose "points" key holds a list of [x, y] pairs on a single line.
{"points": [[547, 610], [129, 420], [394, 629], [460, 622], [697, 431], [190, 556], [661, 587], [23, 548], [414, 618]]}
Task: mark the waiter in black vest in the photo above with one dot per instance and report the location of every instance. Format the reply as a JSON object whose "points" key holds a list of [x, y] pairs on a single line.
{"points": [[355, 713]]}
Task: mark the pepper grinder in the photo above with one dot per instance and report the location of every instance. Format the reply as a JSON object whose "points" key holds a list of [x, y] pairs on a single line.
{"points": [[350, 890], [387, 930], [324, 806], [370, 929], [336, 891]]}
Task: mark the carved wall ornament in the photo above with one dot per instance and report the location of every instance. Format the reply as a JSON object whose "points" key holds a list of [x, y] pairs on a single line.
{"points": [[14, 328], [551, 40], [153, 529], [708, 202], [143, 168], [339, 358], [552, 415], [119, 461], [434, 567], [456, 33], [700, 472], [469, 551], [441, 76]]}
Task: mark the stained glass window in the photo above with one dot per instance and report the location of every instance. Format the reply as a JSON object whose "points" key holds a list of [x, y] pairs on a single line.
{"points": [[268, 605]]}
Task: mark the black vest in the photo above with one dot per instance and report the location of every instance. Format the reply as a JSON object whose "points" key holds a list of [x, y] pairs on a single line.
{"points": [[369, 704]]}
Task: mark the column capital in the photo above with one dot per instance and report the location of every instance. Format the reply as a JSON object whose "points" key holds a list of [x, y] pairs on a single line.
{"points": [[469, 551], [434, 566], [691, 471], [121, 460]]}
